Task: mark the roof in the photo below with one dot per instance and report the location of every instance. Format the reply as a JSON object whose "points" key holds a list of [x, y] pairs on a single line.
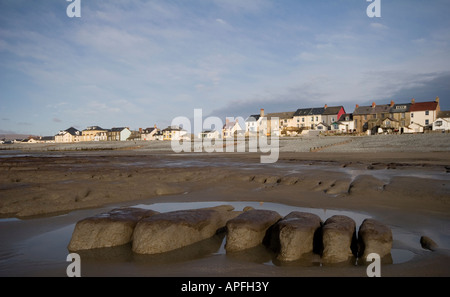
{"points": [[423, 106], [443, 114], [281, 115], [118, 129], [344, 116], [149, 130], [94, 128], [330, 110], [309, 111], [361, 110], [402, 107], [253, 118], [73, 131]]}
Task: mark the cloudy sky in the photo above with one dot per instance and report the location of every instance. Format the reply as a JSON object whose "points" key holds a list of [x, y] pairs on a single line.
{"points": [[137, 63]]}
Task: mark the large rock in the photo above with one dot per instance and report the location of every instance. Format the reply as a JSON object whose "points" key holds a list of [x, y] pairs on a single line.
{"points": [[249, 229], [374, 237], [172, 230], [109, 229], [294, 235], [339, 239]]}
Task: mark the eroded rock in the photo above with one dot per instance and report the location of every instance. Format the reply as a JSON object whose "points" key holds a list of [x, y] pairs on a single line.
{"points": [[172, 230], [339, 239], [374, 237], [295, 234], [109, 229], [249, 229]]}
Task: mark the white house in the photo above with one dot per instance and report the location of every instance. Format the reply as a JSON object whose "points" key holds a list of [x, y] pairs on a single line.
{"points": [[230, 129], [68, 135], [148, 133], [413, 128], [346, 124], [253, 123], [424, 113], [441, 124], [119, 134]]}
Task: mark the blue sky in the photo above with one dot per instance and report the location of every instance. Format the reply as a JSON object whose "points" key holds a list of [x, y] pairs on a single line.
{"points": [[138, 63]]}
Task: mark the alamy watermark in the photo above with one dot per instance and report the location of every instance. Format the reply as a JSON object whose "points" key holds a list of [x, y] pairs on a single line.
{"points": [[374, 9], [251, 135], [74, 9]]}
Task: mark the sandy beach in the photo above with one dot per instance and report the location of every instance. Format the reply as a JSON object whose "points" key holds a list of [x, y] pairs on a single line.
{"points": [[401, 180]]}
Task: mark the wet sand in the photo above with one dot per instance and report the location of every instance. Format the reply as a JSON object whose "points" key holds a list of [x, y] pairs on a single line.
{"points": [[43, 194]]}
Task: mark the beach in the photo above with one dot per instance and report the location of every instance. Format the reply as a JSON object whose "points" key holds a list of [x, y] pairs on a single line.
{"points": [[400, 180]]}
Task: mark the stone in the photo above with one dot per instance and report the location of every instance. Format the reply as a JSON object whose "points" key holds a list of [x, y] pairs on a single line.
{"points": [[108, 229], [172, 230], [428, 243], [249, 229], [338, 239], [294, 235], [374, 237]]}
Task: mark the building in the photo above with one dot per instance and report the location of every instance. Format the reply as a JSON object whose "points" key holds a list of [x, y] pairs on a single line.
{"points": [[332, 114], [369, 118], [424, 113], [442, 123], [94, 133], [69, 135], [148, 133], [284, 120], [231, 128], [119, 134], [253, 123], [345, 124], [308, 118], [174, 133]]}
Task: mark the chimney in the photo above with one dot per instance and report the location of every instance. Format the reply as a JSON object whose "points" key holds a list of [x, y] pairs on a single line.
{"points": [[373, 105], [262, 112], [325, 106], [392, 103], [357, 106], [437, 100], [413, 101], [140, 130], [155, 126], [227, 121]]}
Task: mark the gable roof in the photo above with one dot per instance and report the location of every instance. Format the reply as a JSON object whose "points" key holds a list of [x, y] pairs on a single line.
{"points": [[362, 110], [344, 116], [281, 115], [331, 110], [73, 131], [423, 106], [309, 111], [253, 118], [118, 129], [443, 114]]}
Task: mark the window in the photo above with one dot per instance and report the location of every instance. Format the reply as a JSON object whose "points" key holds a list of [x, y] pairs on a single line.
{"points": [[365, 117], [427, 122], [427, 112], [347, 119], [303, 120], [312, 119], [382, 115], [403, 115], [438, 123], [412, 115], [388, 123], [298, 120]]}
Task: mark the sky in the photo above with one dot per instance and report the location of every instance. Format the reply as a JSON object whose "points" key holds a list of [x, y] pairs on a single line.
{"points": [[136, 63]]}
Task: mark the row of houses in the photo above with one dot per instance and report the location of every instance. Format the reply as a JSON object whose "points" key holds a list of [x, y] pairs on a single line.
{"points": [[96, 133], [411, 117]]}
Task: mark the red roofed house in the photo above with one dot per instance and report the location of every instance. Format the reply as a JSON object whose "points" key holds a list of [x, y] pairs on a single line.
{"points": [[424, 113]]}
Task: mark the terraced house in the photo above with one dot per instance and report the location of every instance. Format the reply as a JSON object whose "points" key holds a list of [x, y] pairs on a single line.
{"points": [[403, 118]]}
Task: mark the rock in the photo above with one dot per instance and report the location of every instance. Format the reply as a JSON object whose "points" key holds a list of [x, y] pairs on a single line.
{"points": [[109, 229], [294, 235], [249, 229], [338, 238], [172, 230], [428, 243], [374, 237]]}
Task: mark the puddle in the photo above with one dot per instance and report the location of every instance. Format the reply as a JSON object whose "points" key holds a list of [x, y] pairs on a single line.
{"points": [[44, 254]]}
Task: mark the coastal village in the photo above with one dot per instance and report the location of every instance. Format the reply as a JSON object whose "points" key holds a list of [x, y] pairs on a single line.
{"points": [[392, 118]]}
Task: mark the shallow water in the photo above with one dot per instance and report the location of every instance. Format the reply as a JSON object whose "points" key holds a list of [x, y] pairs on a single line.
{"points": [[44, 254]]}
